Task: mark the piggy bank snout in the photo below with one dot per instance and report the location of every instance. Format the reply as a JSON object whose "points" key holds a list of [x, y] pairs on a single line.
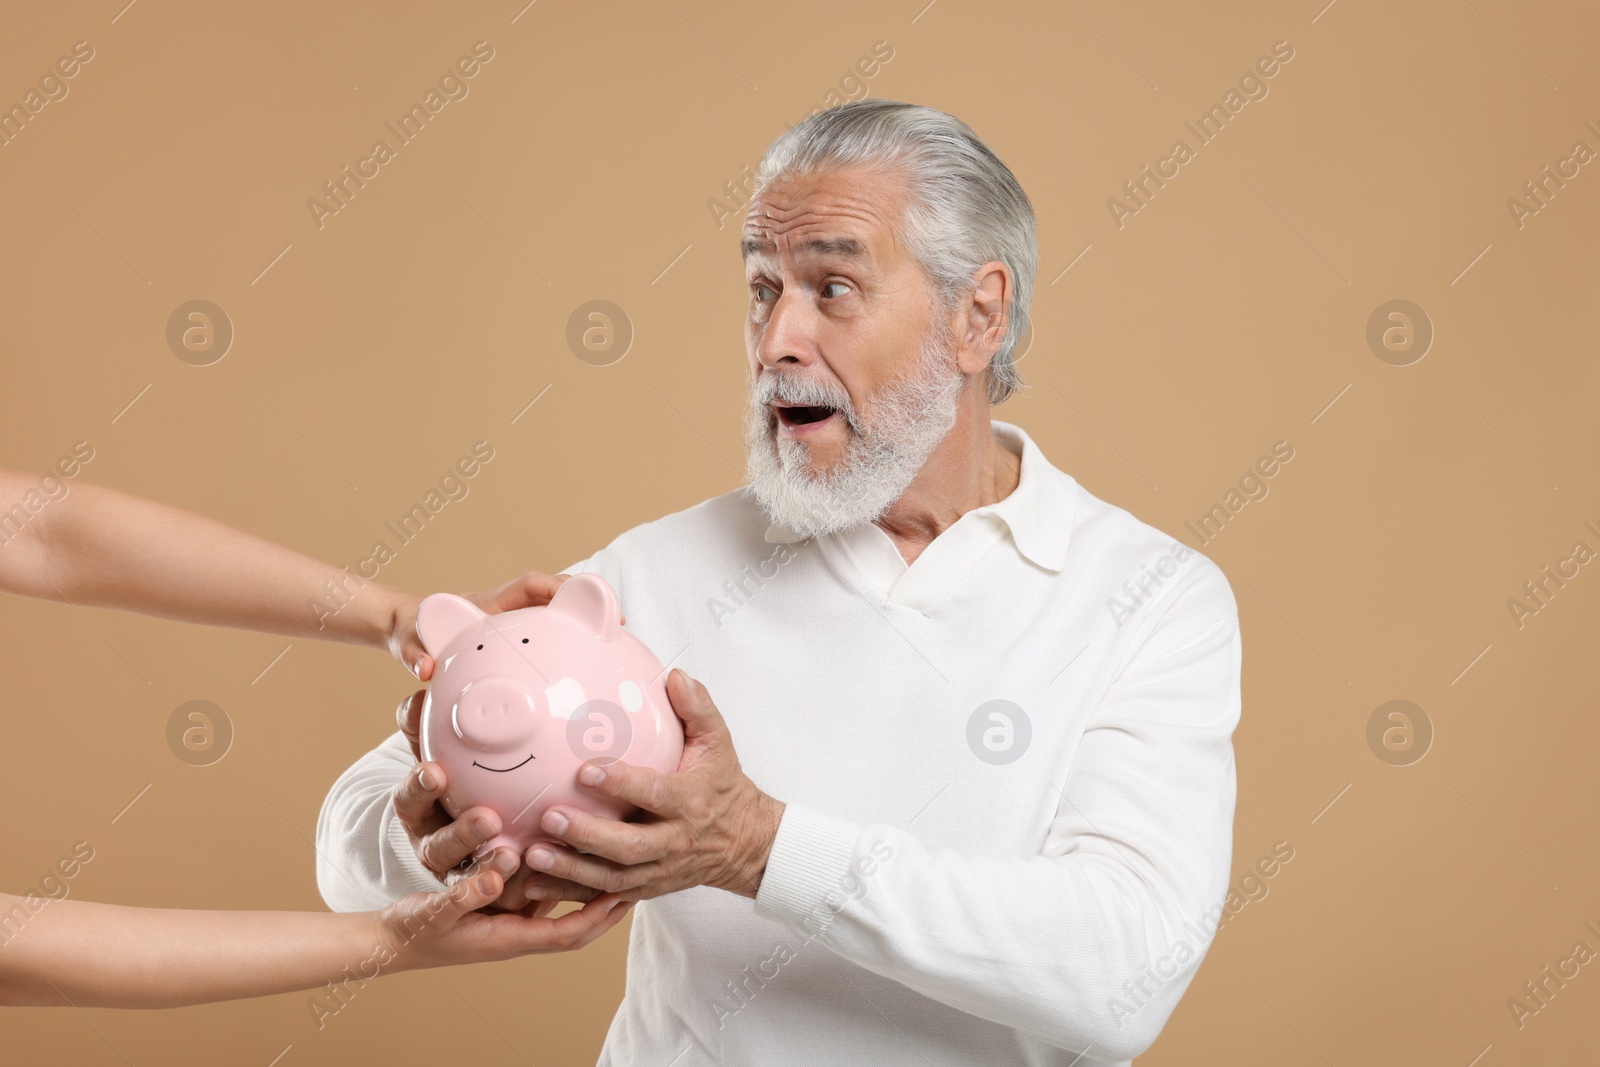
{"points": [[495, 712]]}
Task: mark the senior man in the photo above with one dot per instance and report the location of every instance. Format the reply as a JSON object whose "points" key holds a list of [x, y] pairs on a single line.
{"points": [[958, 782]]}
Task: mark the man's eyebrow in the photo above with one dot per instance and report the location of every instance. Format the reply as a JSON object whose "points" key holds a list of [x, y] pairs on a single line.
{"points": [[847, 247]]}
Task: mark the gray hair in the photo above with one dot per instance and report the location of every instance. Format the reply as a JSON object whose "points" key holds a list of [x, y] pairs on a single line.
{"points": [[964, 208]]}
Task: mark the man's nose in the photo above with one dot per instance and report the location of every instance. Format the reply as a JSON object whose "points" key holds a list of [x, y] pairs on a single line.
{"points": [[788, 337], [495, 712]]}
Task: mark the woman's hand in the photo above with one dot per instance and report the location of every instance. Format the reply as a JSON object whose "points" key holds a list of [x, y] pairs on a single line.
{"points": [[533, 589], [445, 927]]}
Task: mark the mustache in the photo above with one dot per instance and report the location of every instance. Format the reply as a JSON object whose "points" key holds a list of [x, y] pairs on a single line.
{"points": [[809, 392]]}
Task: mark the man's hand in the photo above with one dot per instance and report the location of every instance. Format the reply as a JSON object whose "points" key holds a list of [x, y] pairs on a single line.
{"points": [[445, 846], [707, 824], [534, 589]]}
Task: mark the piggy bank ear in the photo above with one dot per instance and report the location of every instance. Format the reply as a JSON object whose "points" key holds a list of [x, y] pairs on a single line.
{"points": [[590, 599], [444, 617]]}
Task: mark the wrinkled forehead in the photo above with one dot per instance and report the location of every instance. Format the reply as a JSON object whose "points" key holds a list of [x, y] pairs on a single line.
{"points": [[842, 215]]}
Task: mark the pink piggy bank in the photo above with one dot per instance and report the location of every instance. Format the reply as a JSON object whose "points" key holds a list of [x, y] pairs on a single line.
{"points": [[520, 700]]}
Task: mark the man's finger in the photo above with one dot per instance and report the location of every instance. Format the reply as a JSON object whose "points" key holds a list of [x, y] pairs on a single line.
{"points": [[555, 890], [416, 800], [526, 884], [591, 871], [445, 848], [639, 786], [693, 704], [506, 862], [622, 842], [408, 716]]}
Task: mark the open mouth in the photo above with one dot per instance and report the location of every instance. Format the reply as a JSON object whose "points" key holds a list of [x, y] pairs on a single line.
{"points": [[793, 415], [503, 770]]}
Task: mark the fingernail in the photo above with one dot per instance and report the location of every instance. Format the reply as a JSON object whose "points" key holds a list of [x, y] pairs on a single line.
{"points": [[536, 892], [591, 775], [555, 822], [542, 858], [425, 780], [480, 826]]}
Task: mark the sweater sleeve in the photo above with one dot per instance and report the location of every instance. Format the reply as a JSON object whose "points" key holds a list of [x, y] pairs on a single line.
{"points": [[1090, 943], [364, 857]]}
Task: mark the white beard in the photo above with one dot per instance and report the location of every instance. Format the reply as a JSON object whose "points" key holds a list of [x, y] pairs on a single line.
{"points": [[908, 419]]}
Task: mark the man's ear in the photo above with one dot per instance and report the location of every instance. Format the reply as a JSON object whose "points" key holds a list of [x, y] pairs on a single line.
{"points": [[985, 320], [443, 618], [590, 599]]}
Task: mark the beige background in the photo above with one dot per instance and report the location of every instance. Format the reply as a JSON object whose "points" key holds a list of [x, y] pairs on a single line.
{"points": [[1228, 314]]}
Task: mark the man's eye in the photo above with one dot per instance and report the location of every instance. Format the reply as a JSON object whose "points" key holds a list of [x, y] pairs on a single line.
{"points": [[763, 287], [830, 285]]}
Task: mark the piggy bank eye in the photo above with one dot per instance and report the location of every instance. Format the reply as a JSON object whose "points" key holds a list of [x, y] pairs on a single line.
{"points": [[524, 640], [480, 648]]}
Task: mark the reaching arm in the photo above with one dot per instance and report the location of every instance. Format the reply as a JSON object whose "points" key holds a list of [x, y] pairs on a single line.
{"points": [[102, 547], [105, 548], [60, 952]]}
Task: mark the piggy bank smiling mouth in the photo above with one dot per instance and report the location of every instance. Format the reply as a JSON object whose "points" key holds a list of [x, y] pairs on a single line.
{"points": [[503, 770]]}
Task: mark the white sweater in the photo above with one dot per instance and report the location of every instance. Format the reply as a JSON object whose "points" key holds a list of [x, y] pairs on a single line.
{"points": [[954, 881]]}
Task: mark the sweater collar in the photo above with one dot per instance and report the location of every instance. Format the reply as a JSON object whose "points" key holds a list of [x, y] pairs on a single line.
{"points": [[1038, 512]]}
